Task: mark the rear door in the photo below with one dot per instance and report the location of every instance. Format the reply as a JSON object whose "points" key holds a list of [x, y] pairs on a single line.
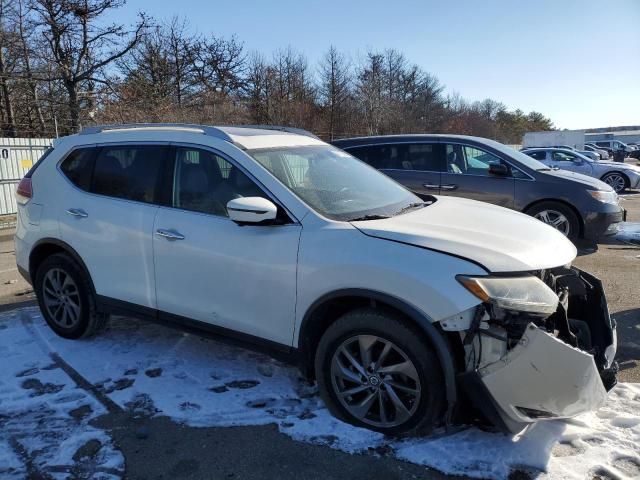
{"points": [[467, 175], [107, 216], [417, 165]]}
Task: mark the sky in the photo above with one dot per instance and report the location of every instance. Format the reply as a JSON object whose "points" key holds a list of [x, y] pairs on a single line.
{"points": [[576, 61]]}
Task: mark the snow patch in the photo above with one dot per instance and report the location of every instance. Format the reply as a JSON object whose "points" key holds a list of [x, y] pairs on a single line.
{"points": [[152, 370]]}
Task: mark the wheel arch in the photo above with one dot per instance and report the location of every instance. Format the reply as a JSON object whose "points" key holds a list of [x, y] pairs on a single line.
{"points": [[45, 247], [627, 182], [563, 202], [328, 308]]}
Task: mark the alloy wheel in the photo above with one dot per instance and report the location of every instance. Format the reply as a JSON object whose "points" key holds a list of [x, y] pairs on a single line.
{"points": [[616, 181], [61, 298], [556, 219], [375, 381]]}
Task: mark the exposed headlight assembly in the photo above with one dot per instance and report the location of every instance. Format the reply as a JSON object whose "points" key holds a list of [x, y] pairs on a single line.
{"points": [[604, 197], [522, 294]]}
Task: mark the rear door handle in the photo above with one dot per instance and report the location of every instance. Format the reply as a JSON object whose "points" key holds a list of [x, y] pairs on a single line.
{"points": [[169, 234], [77, 212], [449, 186], [431, 186]]}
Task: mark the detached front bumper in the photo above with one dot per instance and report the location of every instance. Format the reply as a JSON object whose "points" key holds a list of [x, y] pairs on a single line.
{"points": [[543, 376]]}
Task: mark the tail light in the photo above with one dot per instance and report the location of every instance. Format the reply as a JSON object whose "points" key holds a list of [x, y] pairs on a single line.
{"points": [[24, 192]]}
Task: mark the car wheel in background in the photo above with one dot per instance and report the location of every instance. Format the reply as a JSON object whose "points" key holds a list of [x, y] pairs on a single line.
{"points": [[559, 216], [617, 181], [375, 371], [65, 298]]}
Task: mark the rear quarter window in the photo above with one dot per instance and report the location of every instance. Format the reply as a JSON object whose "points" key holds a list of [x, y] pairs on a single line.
{"points": [[78, 167]]}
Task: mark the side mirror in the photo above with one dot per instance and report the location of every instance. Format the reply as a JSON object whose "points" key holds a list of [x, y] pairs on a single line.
{"points": [[498, 169], [251, 210], [577, 161]]}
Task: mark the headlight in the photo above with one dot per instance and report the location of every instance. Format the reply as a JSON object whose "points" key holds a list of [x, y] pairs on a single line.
{"points": [[604, 197], [522, 294]]}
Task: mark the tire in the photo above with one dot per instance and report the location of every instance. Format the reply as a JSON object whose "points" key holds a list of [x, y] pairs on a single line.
{"points": [[559, 216], [61, 284], [422, 411], [616, 180]]}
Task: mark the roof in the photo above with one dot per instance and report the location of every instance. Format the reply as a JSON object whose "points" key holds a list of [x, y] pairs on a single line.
{"points": [[244, 136]]}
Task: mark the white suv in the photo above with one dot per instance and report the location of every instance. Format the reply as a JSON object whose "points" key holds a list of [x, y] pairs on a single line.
{"points": [[402, 309]]}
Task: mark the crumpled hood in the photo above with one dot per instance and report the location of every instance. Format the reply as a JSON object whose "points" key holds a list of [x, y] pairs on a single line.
{"points": [[500, 239]]}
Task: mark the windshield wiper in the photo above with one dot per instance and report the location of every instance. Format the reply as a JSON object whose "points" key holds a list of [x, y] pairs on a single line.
{"points": [[368, 217], [411, 206]]}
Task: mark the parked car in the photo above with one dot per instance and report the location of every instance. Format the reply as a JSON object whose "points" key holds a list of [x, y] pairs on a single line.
{"points": [[589, 154], [609, 151], [604, 155], [481, 169], [619, 176], [611, 145], [394, 304]]}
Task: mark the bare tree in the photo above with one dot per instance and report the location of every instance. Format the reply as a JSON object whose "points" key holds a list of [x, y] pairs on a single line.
{"points": [[335, 89], [79, 46], [6, 44]]}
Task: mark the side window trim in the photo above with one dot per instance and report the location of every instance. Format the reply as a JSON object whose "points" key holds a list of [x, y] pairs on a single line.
{"points": [[268, 194]]}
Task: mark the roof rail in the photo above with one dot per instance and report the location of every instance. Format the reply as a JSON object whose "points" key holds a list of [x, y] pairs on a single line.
{"points": [[298, 131], [205, 129]]}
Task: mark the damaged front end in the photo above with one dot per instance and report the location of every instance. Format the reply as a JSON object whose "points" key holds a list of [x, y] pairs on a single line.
{"points": [[536, 351]]}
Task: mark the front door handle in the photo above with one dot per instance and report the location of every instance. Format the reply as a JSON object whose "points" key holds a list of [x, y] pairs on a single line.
{"points": [[449, 186], [77, 212], [431, 186], [169, 234]]}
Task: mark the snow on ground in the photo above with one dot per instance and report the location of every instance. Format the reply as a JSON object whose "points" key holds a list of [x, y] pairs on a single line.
{"points": [[150, 369]]}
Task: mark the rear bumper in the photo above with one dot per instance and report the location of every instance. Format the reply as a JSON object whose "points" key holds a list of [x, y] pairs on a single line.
{"points": [[602, 224], [542, 377]]}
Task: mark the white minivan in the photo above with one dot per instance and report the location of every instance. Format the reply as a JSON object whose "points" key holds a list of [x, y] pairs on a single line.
{"points": [[406, 311]]}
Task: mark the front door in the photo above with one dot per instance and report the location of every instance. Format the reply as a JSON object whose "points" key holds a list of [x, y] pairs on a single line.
{"points": [[210, 269], [568, 161], [467, 175]]}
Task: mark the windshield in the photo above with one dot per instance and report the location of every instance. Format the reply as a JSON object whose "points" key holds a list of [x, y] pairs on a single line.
{"points": [[334, 183]]}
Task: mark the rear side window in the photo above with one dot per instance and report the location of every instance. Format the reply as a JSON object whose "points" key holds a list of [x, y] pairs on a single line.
{"points": [[129, 172], [417, 156], [78, 167], [378, 156], [539, 155]]}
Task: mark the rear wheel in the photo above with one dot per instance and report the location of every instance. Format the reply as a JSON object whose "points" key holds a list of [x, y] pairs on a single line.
{"points": [[65, 298], [617, 181], [559, 216], [375, 371]]}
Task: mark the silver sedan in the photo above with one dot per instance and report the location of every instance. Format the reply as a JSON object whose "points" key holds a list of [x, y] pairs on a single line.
{"points": [[619, 175]]}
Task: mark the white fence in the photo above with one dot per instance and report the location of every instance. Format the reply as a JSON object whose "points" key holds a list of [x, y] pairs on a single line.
{"points": [[17, 155]]}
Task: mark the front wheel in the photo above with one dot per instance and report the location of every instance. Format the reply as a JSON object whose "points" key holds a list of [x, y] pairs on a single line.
{"points": [[617, 181], [558, 216], [375, 371]]}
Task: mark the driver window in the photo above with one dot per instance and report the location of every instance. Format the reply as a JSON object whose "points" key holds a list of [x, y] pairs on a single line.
{"points": [[563, 157], [204, 182], [464, 159]]}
